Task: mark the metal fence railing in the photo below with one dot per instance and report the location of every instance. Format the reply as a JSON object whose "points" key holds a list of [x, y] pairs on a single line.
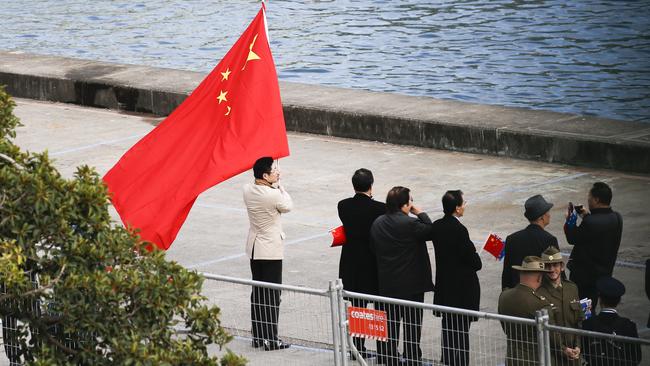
{"points": [[336, 327], [251, 312], [450, 336]]}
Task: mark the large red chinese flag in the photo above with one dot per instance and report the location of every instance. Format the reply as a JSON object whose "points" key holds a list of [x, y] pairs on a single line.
{"points": [[232, 118]]}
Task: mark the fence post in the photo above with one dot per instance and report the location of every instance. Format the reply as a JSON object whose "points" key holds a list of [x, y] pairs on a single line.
{"points": [[343, 329], [334, 312], [543, 345], [547, 336]]}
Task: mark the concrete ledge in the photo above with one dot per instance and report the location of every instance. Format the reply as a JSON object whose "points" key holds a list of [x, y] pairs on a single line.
{"points": [[393, 118]]}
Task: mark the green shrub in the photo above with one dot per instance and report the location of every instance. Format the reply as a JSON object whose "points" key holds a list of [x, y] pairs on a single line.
{"points": [[83, 290]]}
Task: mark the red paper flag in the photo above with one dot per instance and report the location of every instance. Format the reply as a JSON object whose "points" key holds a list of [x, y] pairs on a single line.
{"points": [[230, 120], [494, 245], [338, 236]]}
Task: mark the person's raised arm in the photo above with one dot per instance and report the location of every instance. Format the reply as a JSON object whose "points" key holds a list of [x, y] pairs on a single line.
{"points": [[421, 227], [285, 203]]}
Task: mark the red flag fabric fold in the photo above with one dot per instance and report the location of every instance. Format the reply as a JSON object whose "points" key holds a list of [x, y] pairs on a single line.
{"points": [[230, 120]]}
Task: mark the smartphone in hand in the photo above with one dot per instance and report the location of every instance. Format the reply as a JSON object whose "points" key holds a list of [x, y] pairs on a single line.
{"points": [[579, 209]]}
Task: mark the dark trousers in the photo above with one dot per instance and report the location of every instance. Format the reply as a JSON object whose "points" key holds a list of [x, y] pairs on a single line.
{"points": [[586, 289], [455, 339], [265, 303], [412, 319]]}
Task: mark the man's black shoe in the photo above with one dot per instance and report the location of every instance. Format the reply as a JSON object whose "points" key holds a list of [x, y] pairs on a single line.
{"points": [[365, 354], [257, 343], [275, 345]]}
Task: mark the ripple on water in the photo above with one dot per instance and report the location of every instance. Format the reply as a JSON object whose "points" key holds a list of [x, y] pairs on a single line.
{"points": [[565, 56]]}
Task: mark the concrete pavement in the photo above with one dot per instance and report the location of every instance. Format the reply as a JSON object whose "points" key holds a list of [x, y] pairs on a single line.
{"points": [[317, 175]]}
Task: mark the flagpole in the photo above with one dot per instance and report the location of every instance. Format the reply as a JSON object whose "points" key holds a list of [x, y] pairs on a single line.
{"points": [[266, 25], [484, 242]]}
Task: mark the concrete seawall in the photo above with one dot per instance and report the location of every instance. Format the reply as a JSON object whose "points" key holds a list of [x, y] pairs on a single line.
{"points": [[393, 118]]}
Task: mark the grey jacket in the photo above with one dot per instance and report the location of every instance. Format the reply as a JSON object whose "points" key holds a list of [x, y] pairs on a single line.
{"points": [[403, 263]]}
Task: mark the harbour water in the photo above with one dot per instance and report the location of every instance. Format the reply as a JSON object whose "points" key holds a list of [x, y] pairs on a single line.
{"points": [[584, 57]]}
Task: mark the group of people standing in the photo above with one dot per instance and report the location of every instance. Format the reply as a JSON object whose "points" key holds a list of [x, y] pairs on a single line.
{"points": [[540, 283], [386, 254]]}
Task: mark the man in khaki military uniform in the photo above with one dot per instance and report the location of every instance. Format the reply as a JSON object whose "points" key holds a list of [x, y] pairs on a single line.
{"points": [[565, 348], [523, 301]]}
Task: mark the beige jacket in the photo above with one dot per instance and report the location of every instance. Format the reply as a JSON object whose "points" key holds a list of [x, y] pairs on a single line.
{"points": [[264, 205]]}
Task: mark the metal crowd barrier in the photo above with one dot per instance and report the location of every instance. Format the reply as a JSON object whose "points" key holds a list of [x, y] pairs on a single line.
{"points": [[324, 328], [319, 325]]}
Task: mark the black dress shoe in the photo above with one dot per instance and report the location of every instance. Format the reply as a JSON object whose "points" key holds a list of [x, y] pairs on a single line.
{"points": [[275, 345], [257, 343], [365, 354]]}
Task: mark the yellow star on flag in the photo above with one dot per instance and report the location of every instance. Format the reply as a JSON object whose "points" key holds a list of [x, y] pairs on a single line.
{"points": [[222, 96], [225, 74], [227, 113], [251, 55]]}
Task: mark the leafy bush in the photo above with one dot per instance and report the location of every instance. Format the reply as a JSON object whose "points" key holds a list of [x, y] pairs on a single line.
{"points": [[80, 290]]}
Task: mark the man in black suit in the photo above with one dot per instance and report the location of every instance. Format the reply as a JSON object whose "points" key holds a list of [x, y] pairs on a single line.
{"points": [[457, 284], [531, 241], [601, 352], [404, 272], [595, 241], [358, 265]]}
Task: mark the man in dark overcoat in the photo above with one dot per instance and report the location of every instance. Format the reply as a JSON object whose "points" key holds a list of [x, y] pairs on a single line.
{"points": [[403, 272], [358, 265], [531, 241], [595, 242], [457, 284]]}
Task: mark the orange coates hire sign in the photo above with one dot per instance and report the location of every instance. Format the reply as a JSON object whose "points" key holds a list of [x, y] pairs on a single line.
{"points": [[367, 323]]}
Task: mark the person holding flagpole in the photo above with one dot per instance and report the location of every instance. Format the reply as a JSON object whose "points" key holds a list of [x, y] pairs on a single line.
{"points": [[265, 201]]}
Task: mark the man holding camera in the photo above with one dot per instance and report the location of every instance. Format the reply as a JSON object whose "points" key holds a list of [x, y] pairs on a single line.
{"points": [[595, 241]]}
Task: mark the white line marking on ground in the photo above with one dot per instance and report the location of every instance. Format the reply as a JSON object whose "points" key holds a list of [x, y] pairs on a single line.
{"points": [[235, 256], [87, 147], [221, 207]]}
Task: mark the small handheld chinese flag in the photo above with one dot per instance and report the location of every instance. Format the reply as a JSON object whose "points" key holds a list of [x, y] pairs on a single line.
{"points": [[495, 246], [338, 236], [229, 121]]}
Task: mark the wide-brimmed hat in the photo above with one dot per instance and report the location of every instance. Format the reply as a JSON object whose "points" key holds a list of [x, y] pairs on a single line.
{"points": [[552, 255], [610, 287], [532, 264], [535, 207]]}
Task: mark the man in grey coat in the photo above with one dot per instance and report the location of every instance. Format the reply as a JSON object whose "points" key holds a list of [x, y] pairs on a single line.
{"points": [[404, 272]]}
